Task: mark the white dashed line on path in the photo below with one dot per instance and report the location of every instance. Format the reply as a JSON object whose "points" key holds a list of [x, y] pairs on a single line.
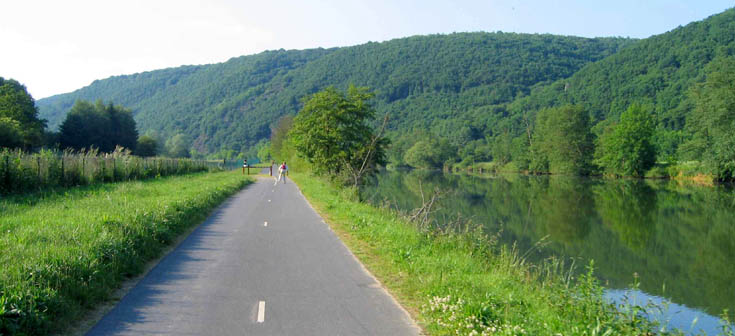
{"points": [[261, 311]]}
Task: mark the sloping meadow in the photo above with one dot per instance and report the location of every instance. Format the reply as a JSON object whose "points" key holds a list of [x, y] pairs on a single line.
{"points": [[64, 252]]}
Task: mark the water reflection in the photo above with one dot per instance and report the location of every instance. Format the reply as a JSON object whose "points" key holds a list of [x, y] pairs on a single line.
{"points": [[679, 238]]}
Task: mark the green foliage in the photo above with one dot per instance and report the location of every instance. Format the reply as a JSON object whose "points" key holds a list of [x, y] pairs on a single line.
{"points": [[264, 152], [627, 148], [64, 252], [562, 141], [332, 132], [179, 146], [147, 146], [713, 120], [23, 172], [19, 122], [430, 153], [425, 82], [100, 126], [479, 91], [279, 135], [656, 72], [11, 133]]}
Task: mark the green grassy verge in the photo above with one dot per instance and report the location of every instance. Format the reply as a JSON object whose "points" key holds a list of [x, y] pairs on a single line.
{"points": [[461, 282], [64, 252]]}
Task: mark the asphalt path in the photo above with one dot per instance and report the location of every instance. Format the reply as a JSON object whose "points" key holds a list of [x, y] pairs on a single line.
{"points": [[264, 263]]}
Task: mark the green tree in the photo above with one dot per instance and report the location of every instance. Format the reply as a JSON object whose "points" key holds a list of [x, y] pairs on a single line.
{"points": [[562, 141], [264, 151], [178, 146], [712, 121], [98, 125], [627, 149], [18, 116], [332, 131], [147, 146], [11, 134], [279, 134], [429, 153]]}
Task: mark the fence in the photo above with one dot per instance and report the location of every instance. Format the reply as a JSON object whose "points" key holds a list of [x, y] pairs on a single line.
{"points": [[20, 171]]}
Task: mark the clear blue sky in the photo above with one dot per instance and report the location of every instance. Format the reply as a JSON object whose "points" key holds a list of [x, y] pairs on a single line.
{"points": [[58, 46]]}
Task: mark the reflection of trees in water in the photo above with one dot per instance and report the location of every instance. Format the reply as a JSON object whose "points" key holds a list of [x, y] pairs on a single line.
{"points": [[683, 236], [564, 209], [628, 208]]}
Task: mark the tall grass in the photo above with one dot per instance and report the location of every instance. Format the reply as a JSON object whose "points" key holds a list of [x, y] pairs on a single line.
{"points": [[22, 172], [63, 252], [460, 281]]}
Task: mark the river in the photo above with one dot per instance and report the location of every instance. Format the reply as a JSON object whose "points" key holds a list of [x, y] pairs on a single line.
{"points": [[676, 238]]}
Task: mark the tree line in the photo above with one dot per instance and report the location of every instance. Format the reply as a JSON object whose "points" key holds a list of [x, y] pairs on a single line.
{"points": [[100, 126]]}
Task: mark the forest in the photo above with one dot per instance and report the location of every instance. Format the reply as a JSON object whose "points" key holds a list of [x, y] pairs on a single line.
{"points": [[660, 106], [422, 81]]}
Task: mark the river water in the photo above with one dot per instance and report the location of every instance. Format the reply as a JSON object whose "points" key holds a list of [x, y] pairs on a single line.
{"points": [[677, 238]]}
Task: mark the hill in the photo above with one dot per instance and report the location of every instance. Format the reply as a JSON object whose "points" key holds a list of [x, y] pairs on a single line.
{"points": [[658, 72], [425, 82]]}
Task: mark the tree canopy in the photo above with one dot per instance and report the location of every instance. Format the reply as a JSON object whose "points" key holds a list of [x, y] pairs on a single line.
{"points": [[627, 149], [712, 122], [562, 141], [425, 82], [147, 146], [332, 132], [98, 125], [20, 125]]}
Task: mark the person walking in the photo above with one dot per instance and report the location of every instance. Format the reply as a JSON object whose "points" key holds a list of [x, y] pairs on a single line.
{"points": [[282, 171]]}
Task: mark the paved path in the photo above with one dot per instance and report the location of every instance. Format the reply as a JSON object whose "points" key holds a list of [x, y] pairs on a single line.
{"points": [[237, 275]]}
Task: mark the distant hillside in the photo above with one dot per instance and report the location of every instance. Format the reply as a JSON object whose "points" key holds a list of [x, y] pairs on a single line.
{"points": [[657, 71], [426, 82]]}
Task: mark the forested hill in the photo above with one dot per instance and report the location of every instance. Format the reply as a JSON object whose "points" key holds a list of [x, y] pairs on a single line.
{"points": [[658, 72], [425, 82]]}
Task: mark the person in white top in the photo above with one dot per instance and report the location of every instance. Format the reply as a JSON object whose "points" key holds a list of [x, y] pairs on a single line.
{"points": [[282, 171]]}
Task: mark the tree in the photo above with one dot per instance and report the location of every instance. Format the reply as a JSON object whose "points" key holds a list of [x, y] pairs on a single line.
{"points": [[11, 134], [18, 116], [279, 134], [429, 153], [98, 125], [178, 146], [562, 141], [712, 121], [264, 151], [332, 131], [147, 146], [627, 149]]}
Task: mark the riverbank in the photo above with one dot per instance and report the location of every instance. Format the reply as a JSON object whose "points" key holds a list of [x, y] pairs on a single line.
{"points": [[684, 171], [65, 252], [460, 281]]}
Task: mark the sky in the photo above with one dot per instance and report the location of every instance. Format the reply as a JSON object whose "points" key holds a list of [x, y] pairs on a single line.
{"points": [[58, 46]]}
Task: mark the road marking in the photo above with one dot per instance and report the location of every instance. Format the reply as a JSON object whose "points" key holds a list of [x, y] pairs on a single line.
{"points": [[265, 224], [261, 311], [269, 200]]}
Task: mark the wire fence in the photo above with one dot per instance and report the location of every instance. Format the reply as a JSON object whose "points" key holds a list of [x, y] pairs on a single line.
{"points": [[21, 171]]}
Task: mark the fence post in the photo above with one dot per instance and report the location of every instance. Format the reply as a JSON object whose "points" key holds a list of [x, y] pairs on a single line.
{"points": [[7, 172]]}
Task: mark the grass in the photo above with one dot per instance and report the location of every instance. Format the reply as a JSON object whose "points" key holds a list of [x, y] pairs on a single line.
{"points": [[64, 252], [459, 281], [22, 172]]}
